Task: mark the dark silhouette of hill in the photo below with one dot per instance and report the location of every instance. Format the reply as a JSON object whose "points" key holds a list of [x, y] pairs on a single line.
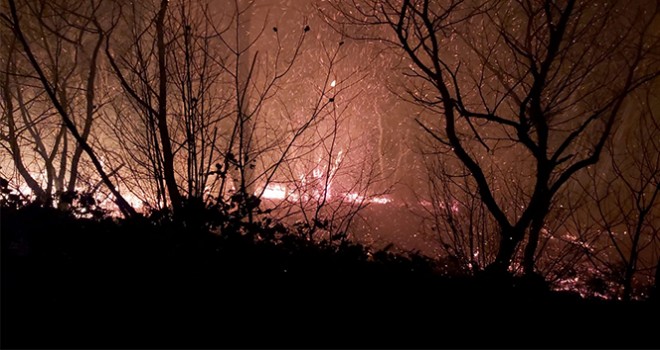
{"points": [[161, 283]]}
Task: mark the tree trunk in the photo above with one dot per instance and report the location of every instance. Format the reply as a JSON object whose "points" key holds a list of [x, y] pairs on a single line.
{"points": [[656, 287], [529, 258], [628, 276], [36, 189], [89, 113], [168, 156], [631, 266], [508, 242]]}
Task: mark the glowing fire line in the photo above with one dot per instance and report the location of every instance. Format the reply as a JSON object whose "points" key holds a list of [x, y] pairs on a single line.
{"points": [[280, 192]]}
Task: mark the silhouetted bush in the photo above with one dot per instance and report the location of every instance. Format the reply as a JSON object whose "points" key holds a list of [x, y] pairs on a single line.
{"points": [[206, 279]]}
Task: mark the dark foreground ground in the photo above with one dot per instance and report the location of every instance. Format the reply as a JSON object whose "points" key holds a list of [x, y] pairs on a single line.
{"points": [[83, 284]]}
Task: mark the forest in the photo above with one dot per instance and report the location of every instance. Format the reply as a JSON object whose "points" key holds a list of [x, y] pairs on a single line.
{"points": [[329, 173]]}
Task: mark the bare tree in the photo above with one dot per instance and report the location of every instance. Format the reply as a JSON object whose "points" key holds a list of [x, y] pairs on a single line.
{"points": [[57, 85], [217, 94], [12, 135], [196, 100], [201, 107], [625, 191], [329, 183], [144, 62], [457, 215], [537, 81], [256, 67]]}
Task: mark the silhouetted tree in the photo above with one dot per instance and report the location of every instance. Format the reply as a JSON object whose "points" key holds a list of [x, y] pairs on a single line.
{"points": [[625, 190], [143, 74], [543, 80], [58, 94]]}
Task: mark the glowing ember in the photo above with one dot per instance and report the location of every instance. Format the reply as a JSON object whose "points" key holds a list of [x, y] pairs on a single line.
{"points": [[354, 197], [380, 200]]}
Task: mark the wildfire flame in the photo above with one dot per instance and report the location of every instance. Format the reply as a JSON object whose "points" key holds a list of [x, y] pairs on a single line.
{"points": [[280, 192], [318, 185], [275, 191]]}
